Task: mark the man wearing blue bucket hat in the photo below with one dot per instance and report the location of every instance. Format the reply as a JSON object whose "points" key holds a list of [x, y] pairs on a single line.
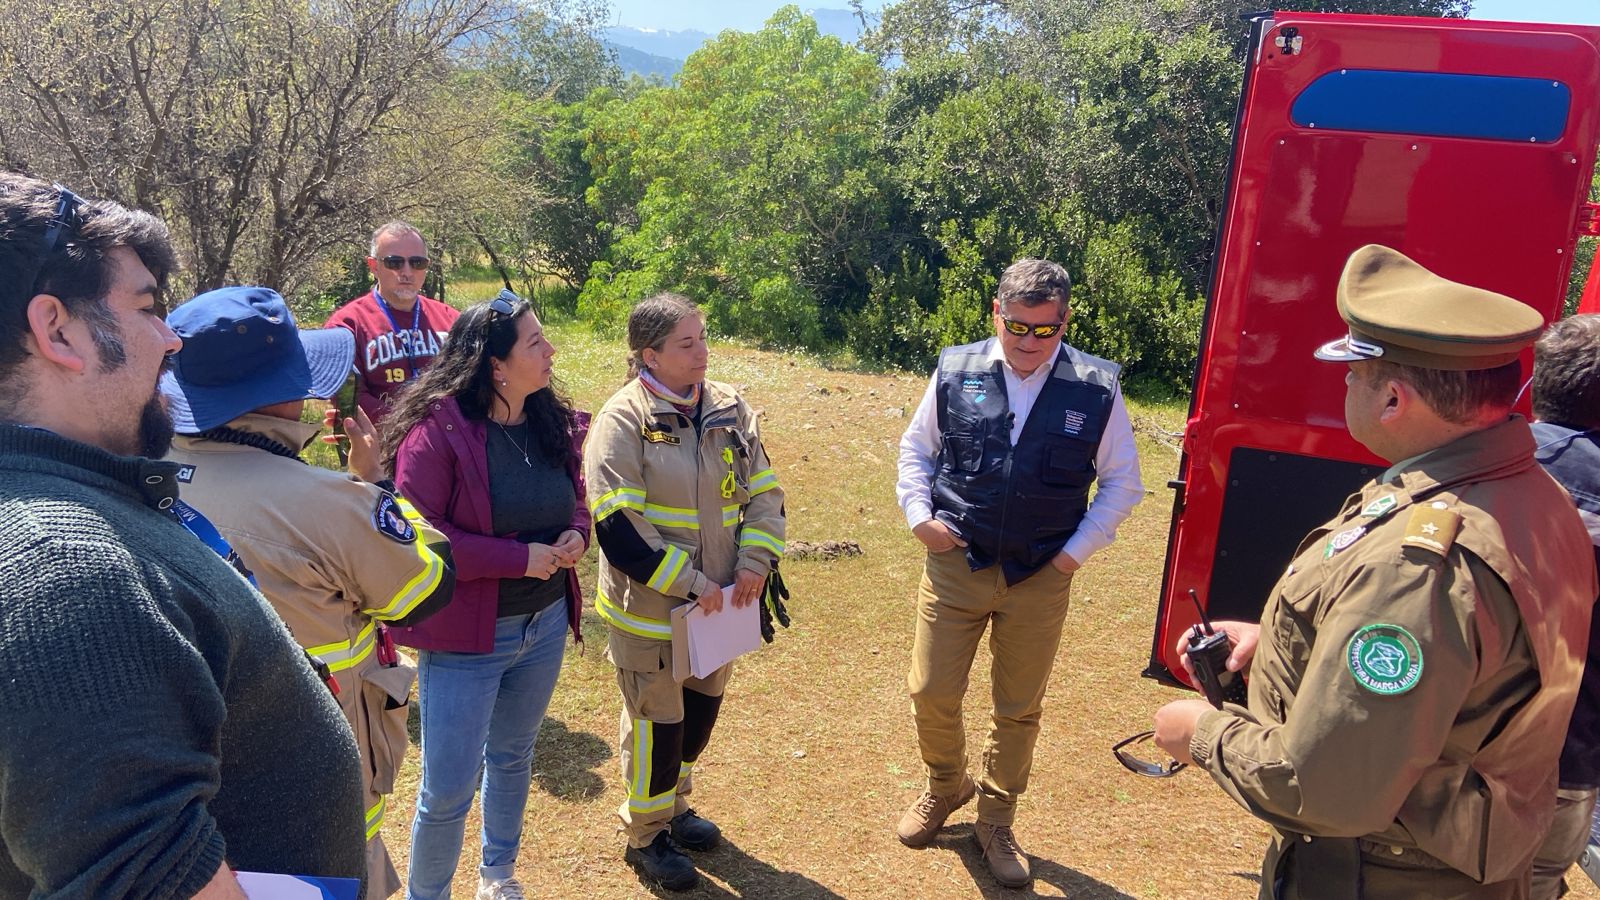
{"points": [[337, 555]]}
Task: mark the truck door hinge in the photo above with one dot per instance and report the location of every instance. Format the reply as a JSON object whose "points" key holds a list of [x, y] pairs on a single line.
{"points": [[1288, 41]]}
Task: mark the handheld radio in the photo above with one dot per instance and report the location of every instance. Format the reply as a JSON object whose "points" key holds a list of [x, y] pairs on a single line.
{"points": [[1208, 655]]}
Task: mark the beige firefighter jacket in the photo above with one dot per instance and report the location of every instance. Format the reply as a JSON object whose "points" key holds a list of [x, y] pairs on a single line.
{"points": [[330, 553], [691, 505]]}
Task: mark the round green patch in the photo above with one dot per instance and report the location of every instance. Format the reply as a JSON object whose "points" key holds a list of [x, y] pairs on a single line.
{"points": [[1385, 659]]}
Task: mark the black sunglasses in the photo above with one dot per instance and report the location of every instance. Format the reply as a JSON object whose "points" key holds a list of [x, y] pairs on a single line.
{"points": [[62, 222], [1022, 329], [504, 303], [393, 263], [61, 228], [1138, 766]]}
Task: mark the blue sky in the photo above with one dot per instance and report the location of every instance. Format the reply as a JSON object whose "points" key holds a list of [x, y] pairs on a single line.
{"points": [[714, 15], [1586, 12], [711, 15]]}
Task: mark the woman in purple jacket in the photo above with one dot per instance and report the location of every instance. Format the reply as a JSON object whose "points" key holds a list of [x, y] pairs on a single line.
{"points": [[488, 452]]}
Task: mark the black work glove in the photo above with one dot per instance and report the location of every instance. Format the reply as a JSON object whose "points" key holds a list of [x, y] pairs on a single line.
{"points": [[772, 597]]}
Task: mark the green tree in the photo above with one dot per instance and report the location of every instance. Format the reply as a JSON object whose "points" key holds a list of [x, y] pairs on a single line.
{"points": [[755, 184]]}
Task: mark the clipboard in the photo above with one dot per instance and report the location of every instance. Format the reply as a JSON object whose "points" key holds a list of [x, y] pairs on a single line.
{"points": [[703, 643]]}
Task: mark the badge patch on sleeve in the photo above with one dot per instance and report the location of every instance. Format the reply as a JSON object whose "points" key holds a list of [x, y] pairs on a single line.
{"points": [[391, 522], [1432, 528], [1384, 659]]}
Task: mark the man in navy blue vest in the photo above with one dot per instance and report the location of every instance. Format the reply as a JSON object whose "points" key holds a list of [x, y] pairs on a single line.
{"points": [[995, 471], [1566, 402]]}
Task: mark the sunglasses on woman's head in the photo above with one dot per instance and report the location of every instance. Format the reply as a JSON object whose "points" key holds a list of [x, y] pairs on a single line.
{"points": [[393, 263], [504, 303]]}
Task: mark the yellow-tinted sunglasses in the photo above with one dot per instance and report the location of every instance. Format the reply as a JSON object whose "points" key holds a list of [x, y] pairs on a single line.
{"points": [[1022, 329]]}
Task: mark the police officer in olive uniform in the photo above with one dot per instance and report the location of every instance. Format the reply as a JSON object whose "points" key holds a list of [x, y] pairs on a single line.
{"points": [[337, 556], [1416, 664]]}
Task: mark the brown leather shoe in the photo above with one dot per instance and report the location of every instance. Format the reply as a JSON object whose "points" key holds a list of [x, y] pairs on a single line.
{"points": [[926, 816], [1007, 863]]}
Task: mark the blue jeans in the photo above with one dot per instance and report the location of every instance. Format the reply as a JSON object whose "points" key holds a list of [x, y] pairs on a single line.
{"points": [[481, 712]]}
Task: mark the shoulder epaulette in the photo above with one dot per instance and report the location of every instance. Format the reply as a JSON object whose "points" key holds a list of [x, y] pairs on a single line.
{"points": [[1432, 527]]}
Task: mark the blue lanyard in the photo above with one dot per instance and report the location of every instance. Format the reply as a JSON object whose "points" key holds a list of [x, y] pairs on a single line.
{"points": [[416, 320], [201, 527]]}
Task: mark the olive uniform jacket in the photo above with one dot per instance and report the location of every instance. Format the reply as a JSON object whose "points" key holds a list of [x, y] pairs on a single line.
{"points": [[1417, 666], [334, 556], [678, 506]]}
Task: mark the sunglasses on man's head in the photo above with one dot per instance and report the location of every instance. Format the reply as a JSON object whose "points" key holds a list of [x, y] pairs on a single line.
{"points": [[393, 263], [1022, 329]]}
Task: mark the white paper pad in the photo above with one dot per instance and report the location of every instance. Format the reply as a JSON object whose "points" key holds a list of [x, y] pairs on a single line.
{"points": [[702, 643], [262, 886]]}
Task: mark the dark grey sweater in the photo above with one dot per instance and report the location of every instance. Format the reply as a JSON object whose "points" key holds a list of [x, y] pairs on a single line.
{"points": [[156, 718]]}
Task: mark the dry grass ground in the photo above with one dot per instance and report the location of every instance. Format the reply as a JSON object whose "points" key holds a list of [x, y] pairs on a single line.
{"points": [[815, 757]]}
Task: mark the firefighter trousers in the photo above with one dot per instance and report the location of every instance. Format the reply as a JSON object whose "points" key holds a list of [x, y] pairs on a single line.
{"points": [[664, 727]]}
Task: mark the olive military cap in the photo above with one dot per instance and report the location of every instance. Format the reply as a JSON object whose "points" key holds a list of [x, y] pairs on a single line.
{"points": [[1400, 312]]}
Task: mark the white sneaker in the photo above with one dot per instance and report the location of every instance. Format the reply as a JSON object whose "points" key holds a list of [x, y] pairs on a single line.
{"points": [[503, 889]]}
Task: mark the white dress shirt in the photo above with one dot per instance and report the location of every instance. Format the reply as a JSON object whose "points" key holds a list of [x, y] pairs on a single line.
{"points": [[1118, 488]]}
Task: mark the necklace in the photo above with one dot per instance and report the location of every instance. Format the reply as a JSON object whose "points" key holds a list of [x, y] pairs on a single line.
{"points": [[521, 448]]}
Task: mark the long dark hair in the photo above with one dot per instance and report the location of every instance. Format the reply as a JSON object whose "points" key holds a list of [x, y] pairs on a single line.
{"points": [[462, 370]]}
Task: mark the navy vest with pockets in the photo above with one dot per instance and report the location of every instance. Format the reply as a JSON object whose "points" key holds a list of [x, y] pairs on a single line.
{"points": [[1017, 506]]}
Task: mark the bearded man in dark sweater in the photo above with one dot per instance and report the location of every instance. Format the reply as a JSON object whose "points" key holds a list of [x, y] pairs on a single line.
{"points": [[158, 725]]}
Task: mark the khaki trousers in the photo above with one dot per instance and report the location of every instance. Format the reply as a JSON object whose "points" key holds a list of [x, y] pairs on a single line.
{"points": [[954, 607], [664, 727], [1569, 834]]}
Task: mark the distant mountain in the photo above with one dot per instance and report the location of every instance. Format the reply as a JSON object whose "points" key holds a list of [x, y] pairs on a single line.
{"points": [[658, 44], [633, 61], [669, 44]]}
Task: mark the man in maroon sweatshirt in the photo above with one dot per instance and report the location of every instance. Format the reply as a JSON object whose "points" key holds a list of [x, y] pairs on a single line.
{"points": [[398, 331]]}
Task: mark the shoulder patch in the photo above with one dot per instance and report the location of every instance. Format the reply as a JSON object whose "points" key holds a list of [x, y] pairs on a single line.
{"points": [[1384, 659], [1432, 528], [391, 522]]}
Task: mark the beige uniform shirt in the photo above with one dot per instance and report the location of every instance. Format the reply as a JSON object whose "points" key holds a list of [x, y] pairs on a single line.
{"points": [[1418, 663], [334, 556]]}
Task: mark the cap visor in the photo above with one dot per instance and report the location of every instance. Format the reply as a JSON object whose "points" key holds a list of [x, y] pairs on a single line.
{"points": [[1341, 351]]}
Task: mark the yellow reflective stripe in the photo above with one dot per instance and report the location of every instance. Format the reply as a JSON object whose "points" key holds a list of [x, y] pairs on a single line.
{"points": [[423, 583], [730, 515], [611, 501], [763, 481], [668, 570], [652, 804], [340, 655], [617, 617], [643, 738], [671, 516], [755, 537], [639, 798], [375, 817]]}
